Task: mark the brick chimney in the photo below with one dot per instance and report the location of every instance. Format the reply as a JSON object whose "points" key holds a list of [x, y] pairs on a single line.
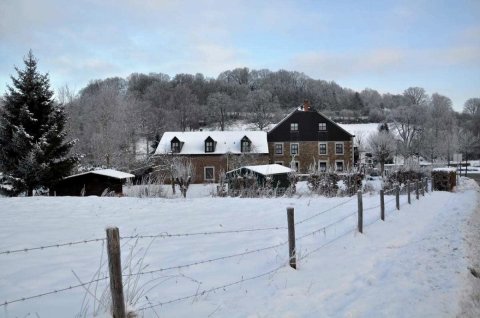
{"points": [[306, 105]]}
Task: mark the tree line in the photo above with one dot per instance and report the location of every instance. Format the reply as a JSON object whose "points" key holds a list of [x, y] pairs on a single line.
{"points": [[109, 116]]}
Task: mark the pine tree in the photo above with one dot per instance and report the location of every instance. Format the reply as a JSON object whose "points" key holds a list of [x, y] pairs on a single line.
{"points": [[33, 153]]}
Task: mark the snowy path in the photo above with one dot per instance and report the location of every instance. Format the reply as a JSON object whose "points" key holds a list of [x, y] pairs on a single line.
{"points": [[413, 265]]}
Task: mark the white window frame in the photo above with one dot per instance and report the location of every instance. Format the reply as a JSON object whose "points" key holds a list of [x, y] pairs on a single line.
{"points": [[326, 148], [205, 173], [209, 146], [275, 150], [292, 125], [245, 146], [279, 162], [326, 165], [343, 165], [343, 148], [323, 125], [298, 148]]}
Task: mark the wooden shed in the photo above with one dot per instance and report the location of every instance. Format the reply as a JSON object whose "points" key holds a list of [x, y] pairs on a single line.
{"points": [[275, 174], [96, 182]]}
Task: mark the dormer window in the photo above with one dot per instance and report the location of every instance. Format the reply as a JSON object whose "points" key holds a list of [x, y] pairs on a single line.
{"points": [[293, 126], [246, 144], [175, 145], [322, 126], [209, 144]]}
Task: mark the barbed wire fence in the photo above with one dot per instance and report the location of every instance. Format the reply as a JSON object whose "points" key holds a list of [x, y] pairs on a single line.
{"points": [[420, 188]]}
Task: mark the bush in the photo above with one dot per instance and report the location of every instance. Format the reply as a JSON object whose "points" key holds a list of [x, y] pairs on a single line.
{"points": [[331, 184]]}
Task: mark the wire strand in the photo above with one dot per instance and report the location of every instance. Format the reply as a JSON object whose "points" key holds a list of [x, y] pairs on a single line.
{"points": [[51, 246]]}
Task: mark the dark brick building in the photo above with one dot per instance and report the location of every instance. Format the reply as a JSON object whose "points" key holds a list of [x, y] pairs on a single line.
{"points": [[307, 138]]}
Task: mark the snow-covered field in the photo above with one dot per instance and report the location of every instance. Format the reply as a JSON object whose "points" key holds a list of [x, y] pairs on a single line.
{"points": [[413, 265]]}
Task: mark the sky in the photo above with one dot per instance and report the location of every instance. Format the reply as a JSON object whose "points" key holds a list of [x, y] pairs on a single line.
{"points": [[384, 45]]}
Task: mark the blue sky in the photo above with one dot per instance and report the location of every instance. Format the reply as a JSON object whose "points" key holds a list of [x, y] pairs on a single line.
{"points": [[384, 45]]}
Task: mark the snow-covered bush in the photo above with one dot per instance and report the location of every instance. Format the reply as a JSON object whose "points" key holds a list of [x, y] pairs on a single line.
{"points": [[333, 183], [401, 176], [150, 186]]}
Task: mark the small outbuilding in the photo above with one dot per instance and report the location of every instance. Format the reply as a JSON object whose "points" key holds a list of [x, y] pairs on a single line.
{"points": [[96, 182], [273, 175]]}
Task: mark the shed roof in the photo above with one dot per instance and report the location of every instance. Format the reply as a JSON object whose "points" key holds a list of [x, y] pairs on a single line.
{"points": [[226, 142], [106, 172], [267, 170]]}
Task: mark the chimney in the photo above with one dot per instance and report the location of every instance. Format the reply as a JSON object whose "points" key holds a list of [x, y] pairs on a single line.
{"points": [[306, 105]]}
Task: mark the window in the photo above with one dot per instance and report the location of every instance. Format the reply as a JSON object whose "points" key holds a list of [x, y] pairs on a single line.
{"points": [[322, 166], [175, 146], [293, 126], [209, 144], [322, 148], [294, 149], [245, 144], [322, 126], [279, 163], [278, 149], [339, 148], [209, 173], [339, 165]]}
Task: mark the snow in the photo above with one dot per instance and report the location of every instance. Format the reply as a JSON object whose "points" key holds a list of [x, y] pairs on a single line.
{"points": [[267, 170], [445, 169], [412, 265], [108, 173], [227, 141], [361, 129]]}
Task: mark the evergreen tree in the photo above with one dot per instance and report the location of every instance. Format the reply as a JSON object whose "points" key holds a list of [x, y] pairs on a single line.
{"points": [[32, 148]]}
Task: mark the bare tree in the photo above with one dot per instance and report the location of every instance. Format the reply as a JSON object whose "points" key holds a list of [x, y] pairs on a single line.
{"points": [[416, 95], [179, 171], [218, 104], [472, 107], [408, 124], [263, 108], [103, 119], [468, 143], [382, 146]]}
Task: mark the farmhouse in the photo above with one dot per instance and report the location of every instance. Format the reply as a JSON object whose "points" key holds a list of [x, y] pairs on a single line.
{"points": [[214, 152], [96, 182], [310, 140]]}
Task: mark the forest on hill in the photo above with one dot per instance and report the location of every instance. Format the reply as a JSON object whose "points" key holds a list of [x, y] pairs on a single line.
{"points": [[109, 116]]}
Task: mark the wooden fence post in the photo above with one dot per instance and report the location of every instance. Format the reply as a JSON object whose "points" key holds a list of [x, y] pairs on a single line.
{"points": [[360, 211], [382, 205], [291, 238], [397, 196], [408, 192], [115, 269], [426, 184], [416, 190]]}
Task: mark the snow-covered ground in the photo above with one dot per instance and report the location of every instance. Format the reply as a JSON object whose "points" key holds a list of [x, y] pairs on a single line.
{"points": [[413, 265], [361, 130]]}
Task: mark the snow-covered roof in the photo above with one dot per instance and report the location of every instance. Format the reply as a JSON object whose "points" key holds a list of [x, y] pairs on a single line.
{"points": [[300, 109], [445, 169], [267, 170], [108, 173], [226, 142]]}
